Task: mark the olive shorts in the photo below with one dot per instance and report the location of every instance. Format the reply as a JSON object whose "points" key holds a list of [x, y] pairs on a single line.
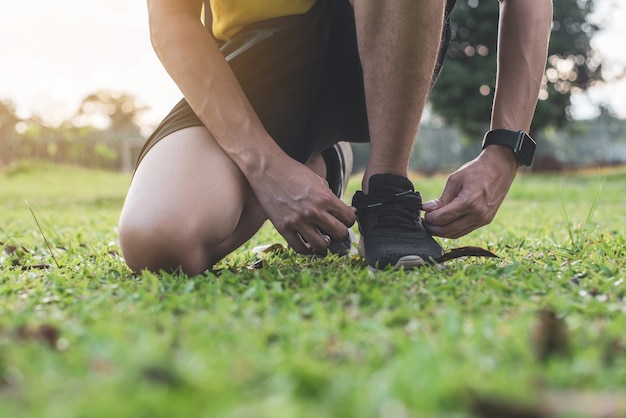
{"points": [[303, 76]]}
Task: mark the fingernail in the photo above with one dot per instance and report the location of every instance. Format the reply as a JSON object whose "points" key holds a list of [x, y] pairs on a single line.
{"points": [[430, 205]]}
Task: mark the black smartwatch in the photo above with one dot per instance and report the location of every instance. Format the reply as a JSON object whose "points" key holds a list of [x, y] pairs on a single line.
{"points": [[522, 145]]}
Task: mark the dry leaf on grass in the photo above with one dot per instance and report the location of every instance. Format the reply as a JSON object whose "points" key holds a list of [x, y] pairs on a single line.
{"points": [[46, 334], [268, 248], [554, 404], [549, 336]]}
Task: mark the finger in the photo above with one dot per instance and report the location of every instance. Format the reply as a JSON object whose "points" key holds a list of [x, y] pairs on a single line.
{"points": [[336, 221], [432, 205], [317, 241], [456, 229], [342, 212], [449, 196], [336, 230], [449, 213], [456, 219], [450, 192], [294, 240]]}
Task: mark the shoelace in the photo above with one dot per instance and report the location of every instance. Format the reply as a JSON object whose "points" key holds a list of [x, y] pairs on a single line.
{"points": [[397, 211]]}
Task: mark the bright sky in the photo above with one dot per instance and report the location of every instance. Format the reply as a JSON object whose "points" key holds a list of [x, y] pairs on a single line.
{"points": [[53, 54]]}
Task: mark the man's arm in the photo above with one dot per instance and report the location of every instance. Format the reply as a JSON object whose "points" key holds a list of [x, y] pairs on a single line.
{"points": [[522, 51], [295, 199], [474, 192]]}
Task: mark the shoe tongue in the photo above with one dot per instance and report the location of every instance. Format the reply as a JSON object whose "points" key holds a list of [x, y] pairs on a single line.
{"points": [[389, 183]]}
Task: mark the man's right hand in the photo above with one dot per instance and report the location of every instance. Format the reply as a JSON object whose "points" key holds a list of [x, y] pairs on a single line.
{"points": [[300, 205]]}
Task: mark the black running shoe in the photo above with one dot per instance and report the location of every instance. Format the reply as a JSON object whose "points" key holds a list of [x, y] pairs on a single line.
{"points": [[338, 159], [392, 233]]}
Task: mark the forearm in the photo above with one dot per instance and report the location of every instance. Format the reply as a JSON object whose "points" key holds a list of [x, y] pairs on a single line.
{"points": [[474, 192], [522, 51], [193, 60]]}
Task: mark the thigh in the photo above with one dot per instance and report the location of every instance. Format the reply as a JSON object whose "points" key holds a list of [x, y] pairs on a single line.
{"points": [[187, 190], [303, 77]]}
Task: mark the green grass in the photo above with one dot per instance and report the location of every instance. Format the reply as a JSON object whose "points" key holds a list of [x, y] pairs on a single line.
{"points": [[302, 337]]}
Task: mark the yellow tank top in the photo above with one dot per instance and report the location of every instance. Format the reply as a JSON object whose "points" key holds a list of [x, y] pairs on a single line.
{"points": [[230, 16]]}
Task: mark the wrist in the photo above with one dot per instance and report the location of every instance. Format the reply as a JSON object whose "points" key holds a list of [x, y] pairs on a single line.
{"points": [[256, 155], [262, 163], [501, 155]]}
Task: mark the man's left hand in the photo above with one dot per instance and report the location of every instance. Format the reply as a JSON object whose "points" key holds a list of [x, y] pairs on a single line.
{"points": [[472, 194]]}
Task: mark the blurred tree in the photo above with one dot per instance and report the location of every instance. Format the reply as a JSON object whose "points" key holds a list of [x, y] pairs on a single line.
{"points": [[463, 94], [8, 119], [117, 112]]}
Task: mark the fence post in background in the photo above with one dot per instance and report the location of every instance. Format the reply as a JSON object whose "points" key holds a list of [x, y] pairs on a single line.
{"points": [[127, 157]]}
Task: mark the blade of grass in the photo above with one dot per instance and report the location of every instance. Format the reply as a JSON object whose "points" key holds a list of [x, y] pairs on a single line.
{"points": [[42, 234]]}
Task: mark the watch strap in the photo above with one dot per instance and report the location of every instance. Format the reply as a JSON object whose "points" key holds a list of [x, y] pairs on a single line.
{"points": [[520, 143], [502, 137]]}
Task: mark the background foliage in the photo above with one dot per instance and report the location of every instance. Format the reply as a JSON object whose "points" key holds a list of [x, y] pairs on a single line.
{"points": [[463, 94]]}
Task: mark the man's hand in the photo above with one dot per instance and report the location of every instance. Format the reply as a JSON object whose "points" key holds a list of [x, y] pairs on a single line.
{"points": [[472, 194], [301, 205]]}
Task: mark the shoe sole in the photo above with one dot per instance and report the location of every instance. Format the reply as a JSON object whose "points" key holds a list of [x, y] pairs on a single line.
{"points": [[408, 262]]}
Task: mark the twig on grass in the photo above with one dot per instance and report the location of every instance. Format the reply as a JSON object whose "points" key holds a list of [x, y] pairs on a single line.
{"points": [[42, 234]]}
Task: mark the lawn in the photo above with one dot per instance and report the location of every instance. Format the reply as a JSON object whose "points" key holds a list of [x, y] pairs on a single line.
{"points": [[539, 332]]}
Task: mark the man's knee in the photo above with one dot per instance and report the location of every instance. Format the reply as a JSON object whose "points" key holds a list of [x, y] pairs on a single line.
{"points": [[154, 245]]}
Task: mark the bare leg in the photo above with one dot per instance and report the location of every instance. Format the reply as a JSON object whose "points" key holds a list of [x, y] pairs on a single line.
{"points": [[189, 205], [398, 42]]}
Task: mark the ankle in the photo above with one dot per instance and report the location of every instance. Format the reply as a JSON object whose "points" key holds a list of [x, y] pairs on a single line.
{"points": [[369, 174]]}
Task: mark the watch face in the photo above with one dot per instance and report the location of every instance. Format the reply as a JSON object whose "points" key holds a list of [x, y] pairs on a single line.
{"points": [[525, 149]]}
